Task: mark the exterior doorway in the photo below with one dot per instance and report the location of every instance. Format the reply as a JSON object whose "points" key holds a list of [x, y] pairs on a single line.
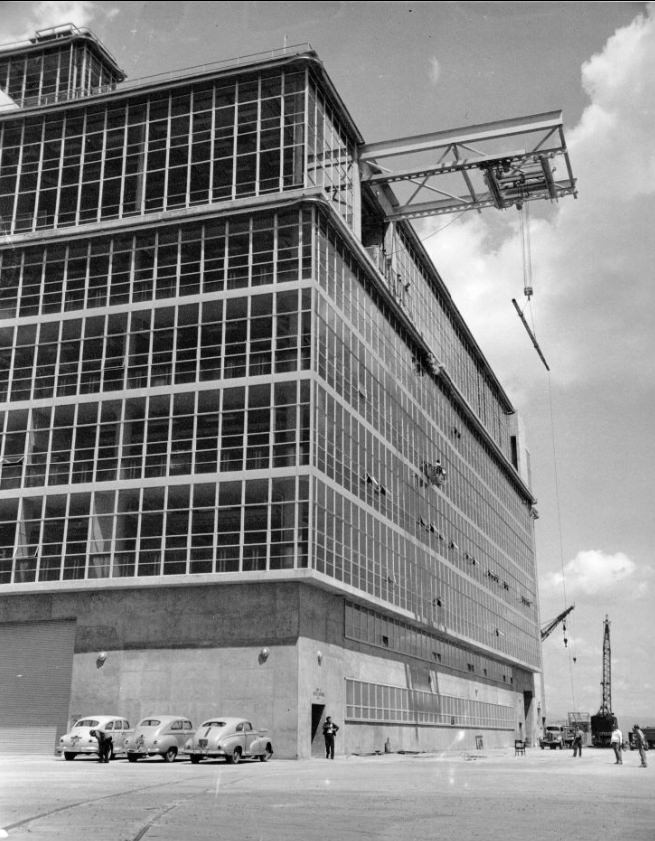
{"points": [[318, 714], [527, 717]]}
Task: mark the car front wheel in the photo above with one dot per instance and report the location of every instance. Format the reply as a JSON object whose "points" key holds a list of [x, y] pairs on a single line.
{"points": [[132, 757], [268, 753], [69, 755], [195, 759], [170, 755]]}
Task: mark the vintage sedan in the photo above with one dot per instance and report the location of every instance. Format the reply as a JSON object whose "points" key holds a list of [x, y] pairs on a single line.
{"points": [[80, 741], [159, 735], [232, 739]]}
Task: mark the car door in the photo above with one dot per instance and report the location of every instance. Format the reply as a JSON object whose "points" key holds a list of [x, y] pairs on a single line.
{"points": [[248, 736], [180, 730], [119, 736], [175, 734], [108, 728], [188, 731], [240, 737]]}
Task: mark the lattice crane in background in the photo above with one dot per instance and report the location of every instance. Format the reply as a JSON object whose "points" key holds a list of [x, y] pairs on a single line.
{"points": [[604, 721]]}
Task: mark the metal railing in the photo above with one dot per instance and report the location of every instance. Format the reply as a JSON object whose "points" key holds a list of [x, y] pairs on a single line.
{"points": [[53, 98]]}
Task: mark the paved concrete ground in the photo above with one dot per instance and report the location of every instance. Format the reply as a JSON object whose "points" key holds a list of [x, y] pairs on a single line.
{"points": [[490, 796]]}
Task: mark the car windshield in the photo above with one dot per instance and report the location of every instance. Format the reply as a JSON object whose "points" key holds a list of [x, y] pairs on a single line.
{"points": [[150, 722], [87, 722], [214, 723]]}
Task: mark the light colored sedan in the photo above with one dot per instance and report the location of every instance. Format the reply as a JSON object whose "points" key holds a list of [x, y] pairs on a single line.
{"points": [[79, 740], [159, 735], [232, 739]]}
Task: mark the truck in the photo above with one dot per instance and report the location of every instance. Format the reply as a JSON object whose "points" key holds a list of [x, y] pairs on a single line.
{"points": [[557, 736]]}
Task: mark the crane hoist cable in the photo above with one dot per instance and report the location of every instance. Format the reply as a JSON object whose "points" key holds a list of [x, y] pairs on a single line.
{"points": [[528, 291]]}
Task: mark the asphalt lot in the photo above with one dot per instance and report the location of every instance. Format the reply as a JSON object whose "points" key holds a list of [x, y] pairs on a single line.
{"points": [[490, 796]]}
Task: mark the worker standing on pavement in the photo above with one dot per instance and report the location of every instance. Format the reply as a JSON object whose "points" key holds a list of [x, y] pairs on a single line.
{"points": [[616, 741], [329, 733], [640, 743], [577, 743]]}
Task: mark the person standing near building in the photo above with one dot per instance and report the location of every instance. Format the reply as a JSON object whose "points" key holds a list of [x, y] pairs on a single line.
{"points": [[640, 743], [577, 742], [329, 733], [616, 741]]}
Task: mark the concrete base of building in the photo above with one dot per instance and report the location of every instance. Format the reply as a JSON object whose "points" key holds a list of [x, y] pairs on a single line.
{"points": [[274, 653]]}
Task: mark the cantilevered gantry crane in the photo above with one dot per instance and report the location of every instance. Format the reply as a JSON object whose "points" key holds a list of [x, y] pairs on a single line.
{"points": [[499, 164]]}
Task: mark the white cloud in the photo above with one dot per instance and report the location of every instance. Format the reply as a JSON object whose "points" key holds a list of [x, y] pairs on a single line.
{"points": [[435, 70], [48, 13], [592, 258], [592, 572]]}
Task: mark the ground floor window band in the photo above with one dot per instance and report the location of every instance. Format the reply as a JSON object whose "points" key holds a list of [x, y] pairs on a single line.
{"points": [[368, 702]]}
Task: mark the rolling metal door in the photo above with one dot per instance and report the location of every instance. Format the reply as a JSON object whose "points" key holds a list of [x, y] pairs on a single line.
{"points": [[36, 664]]}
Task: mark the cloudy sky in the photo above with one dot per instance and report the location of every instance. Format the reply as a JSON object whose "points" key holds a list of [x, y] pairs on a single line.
{"points": [[406, 68]]}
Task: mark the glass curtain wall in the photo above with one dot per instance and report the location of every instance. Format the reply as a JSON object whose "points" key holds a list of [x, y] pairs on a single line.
{"points": [[55, 74], [198, 144], [458, 555], [168, 436]]}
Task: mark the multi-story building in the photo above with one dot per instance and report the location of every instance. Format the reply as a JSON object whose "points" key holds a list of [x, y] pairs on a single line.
{"points": [[234, 477]]}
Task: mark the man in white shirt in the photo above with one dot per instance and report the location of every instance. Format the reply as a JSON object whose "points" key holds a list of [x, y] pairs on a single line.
{"points": [[616, 741]]}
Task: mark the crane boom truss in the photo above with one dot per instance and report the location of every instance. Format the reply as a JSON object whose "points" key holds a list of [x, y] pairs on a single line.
{"points": [[547, 630], [606, 683], [474, 167]]}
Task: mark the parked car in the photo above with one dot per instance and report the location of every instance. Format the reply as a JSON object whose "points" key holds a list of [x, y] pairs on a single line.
{"points": [[232, 739], [159, 735], [79, 740]]}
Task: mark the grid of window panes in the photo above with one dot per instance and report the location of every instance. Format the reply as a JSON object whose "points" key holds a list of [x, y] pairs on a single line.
{"points": [[211, 141], [355, 546], [398, 705], [329, 157], [460, 556], [180, 356], [58, 72], [493, 539], [198, 258], [255, 427], [433, 317], [206, 340], [150, 529], [368, 626], [367, 362]]}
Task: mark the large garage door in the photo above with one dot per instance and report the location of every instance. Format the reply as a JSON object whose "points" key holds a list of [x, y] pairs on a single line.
{"points": [[36, 664]]}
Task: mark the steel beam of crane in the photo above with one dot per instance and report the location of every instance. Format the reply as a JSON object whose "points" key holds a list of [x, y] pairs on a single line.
{"points": [[478, 158]]}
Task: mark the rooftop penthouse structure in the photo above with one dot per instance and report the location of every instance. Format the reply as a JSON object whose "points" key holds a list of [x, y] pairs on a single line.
{"points": [[251, 453]]}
